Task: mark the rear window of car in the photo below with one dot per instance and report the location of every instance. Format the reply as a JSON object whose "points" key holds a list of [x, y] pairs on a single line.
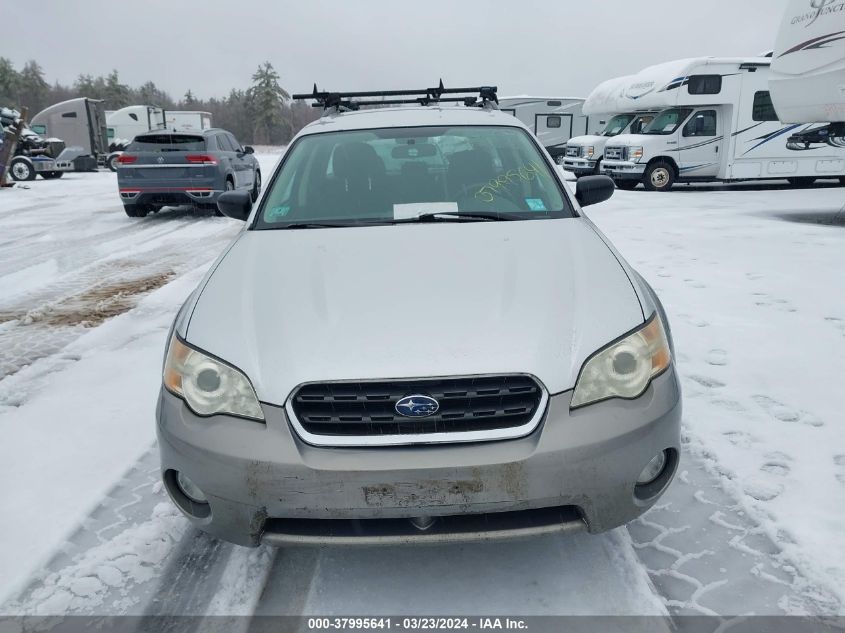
{"points": [[167, 143], [374, 176]]}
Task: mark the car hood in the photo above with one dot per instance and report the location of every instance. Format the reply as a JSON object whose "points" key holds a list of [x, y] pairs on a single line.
{"points": [[592, 139], [634, 140], [412, 301]]}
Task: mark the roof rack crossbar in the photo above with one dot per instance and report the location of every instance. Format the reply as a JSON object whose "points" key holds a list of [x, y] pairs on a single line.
{"points": [[424, 96]]}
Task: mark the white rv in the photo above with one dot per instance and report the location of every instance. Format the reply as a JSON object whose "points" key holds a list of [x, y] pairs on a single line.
{"points": [[716, 123], [124, 124], [585, 153], [808, 64], [808, 73], [187, 120], [554, 120]]}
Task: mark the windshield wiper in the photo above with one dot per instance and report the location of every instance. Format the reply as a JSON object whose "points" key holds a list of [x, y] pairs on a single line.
{"points": [[457, 216], [312, 225]]}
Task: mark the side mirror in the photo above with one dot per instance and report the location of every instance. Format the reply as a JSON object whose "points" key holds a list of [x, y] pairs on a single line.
{"points": [[593, 189], [248, 149], [235, 204]]}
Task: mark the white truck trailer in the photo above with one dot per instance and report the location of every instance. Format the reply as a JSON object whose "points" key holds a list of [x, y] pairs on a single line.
{"points": [[716, 123], [554, 120]]}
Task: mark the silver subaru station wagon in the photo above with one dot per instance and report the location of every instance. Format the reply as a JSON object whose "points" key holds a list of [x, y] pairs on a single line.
{"points": [[417, 337]]}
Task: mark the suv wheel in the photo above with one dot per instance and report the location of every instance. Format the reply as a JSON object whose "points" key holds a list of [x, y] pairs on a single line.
{"points": [[21, 169], [626, 185], [135, 210], [659, 177]]}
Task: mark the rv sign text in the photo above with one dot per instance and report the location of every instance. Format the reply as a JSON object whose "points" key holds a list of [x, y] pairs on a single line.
{"points": [[820, 8]]}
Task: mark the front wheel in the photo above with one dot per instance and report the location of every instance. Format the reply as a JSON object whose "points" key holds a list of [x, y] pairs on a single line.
{"points": [[111, 162], [626, 185], [659, 177], [802, 181], [21, 169]]}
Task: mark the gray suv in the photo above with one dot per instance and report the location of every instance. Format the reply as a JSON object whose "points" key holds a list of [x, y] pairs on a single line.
{"points": [[162, 169]]}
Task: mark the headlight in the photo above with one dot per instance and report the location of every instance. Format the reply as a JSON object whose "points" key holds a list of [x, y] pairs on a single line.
{"points": [[626, 368], [207, 385], [635, 153], [590, 152]]}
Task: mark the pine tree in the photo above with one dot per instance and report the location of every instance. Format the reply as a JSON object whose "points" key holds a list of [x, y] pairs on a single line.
{"points": [[9, 84], [116, 93], [266, 99], [32, 88], [189, 99]]}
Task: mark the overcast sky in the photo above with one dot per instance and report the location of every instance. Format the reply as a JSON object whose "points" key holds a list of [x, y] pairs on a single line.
{"points": [[544, 47]]}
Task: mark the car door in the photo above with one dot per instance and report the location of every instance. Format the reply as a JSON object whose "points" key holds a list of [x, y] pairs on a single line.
{"points": [[229, 157], [700, 145], [241, 162]]}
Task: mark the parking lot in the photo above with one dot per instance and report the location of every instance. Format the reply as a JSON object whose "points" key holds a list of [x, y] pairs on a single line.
{"points": [[751, 279]]}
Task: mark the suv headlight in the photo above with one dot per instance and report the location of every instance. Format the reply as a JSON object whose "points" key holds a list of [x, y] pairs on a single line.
{"points": [[207, 385], [635, 153], [626, 368], [590, 151]]}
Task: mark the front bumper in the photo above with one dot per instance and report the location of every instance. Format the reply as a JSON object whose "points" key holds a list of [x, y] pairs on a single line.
{"points": [[582, 464], [623, 169], [580, 166]]}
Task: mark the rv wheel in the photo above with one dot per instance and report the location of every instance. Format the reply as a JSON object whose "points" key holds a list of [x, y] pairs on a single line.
{"points": [[659, 177], [21, 169]]}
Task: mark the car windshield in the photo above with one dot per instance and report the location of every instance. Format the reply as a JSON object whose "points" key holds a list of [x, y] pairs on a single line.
{"points": [[167, 143], [617, 124], [667, 121], [390, 175]]}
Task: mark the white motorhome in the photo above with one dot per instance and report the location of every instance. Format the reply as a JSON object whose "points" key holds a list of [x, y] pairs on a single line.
{"points": [[124, 124], [808, 73], [584, 153], [554, 120], [716, 123], [187, 120]]}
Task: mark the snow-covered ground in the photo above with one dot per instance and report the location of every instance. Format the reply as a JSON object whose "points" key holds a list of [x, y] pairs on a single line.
{"points": [[752, 525]]}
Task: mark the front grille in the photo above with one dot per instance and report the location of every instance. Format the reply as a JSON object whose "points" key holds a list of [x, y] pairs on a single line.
{"points": [[615, 153], [466, 405], [573, 151]]}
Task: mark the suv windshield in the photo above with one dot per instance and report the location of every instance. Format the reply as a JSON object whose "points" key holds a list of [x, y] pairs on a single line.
{"points": [[668, 121], [617, 124], [389, 175], [167, 143]]}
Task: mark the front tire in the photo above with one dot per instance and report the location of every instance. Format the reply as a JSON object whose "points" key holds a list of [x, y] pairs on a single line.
{"points": [[626, 185], [111, 163], [21, 169], [659, 176]]}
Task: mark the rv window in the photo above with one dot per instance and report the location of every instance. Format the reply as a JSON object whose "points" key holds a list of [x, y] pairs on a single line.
{"points": [[68, 115], [111, 132], [617, 124], [702, 123], [667, 121], [764, 109], [553, 121], [133, 116], [641, 122], [705, 84]]}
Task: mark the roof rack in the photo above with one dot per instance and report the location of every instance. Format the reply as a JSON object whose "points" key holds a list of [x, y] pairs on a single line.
{"points": [[345, 101]]}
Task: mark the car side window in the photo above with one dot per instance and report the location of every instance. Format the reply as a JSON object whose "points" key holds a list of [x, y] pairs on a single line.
{"points": [[236, 147], [702, 123], [224, 143]]}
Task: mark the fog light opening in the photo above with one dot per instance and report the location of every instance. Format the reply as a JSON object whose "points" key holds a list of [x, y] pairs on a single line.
{"points": [[187, 495], [653, 470]]}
